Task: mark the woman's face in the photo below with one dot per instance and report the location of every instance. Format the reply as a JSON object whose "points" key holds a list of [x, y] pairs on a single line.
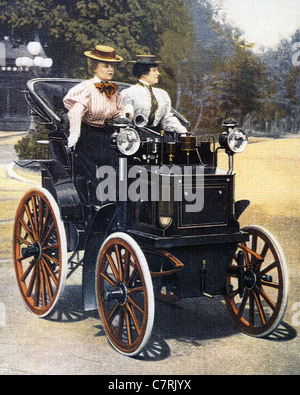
{"points": [[152, 77], [105, 71]]}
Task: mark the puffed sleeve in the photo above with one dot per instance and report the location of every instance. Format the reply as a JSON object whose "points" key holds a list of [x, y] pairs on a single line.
{"points": [[78, 94], [128, 102]]}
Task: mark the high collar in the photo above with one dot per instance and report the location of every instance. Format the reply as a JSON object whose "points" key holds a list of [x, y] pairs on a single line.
{"points": [[96, 80], [144, 83]]}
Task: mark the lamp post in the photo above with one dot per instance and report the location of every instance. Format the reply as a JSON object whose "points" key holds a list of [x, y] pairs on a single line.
{"points": [[30, 63], [33, 63]]}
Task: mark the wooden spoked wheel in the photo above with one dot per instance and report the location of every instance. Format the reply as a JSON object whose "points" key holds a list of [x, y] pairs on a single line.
{"points": [[124, 294], [258, 279], [40, 251]]}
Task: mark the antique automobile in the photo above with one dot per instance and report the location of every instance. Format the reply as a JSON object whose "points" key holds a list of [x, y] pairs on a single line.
{"points": [[167, 229]]}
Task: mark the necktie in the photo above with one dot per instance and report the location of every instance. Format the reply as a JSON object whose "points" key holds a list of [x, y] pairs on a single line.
{"points": [[108, 88], [154, 104]]}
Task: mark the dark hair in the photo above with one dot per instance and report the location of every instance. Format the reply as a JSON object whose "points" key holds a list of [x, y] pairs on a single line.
{"points": [[142, 69], [92, 65]]}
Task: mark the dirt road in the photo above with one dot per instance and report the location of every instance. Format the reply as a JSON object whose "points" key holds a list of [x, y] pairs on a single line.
{"points": [[191, 337]]}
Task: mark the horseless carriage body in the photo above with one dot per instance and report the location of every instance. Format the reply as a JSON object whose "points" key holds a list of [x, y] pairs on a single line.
{"points": [[156, 244]]}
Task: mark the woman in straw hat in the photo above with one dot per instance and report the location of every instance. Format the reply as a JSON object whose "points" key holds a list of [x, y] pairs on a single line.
{"points": [[93, 105], [94, 101], [152, 103]]}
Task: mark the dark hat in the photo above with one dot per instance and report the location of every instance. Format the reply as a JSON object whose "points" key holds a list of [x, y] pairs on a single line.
{"points": [[104, 54], [146, 60]]}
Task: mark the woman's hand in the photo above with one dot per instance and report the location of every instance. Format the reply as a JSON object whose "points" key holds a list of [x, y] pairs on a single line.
{"points": [[72, 139]]}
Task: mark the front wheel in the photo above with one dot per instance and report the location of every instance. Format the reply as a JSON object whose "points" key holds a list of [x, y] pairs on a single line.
{"points": [[124, 294], [258, 280]]}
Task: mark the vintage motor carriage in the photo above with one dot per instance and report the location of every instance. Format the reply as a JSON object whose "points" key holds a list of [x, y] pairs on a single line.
{"points": [[136, 250]]}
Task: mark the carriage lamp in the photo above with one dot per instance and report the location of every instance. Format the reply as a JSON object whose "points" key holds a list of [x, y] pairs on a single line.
{"points": [[234, 140], [126, 141]]}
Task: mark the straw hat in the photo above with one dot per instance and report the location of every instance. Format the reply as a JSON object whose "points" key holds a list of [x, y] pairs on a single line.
{"points": [[104, 54]]}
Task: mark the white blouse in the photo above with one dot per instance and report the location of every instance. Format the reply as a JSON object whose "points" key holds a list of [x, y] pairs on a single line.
{"points": [[86, 103], [137, 101]]}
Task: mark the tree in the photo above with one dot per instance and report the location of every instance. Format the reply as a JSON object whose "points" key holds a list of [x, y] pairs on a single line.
{"points": [[66, 30], [282, 109]]}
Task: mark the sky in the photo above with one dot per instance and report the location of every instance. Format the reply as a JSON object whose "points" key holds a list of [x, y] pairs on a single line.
{"points": [[265, 22]]}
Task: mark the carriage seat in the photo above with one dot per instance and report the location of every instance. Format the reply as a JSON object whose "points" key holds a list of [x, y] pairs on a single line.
{"points": [[45, 98], [48, 93]]}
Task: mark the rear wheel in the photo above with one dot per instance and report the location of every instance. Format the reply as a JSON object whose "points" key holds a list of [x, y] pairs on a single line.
{"points": [[258, 280], [124, 294], [40, 251]]}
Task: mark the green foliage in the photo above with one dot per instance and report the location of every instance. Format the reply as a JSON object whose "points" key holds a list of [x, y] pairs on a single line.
{"points": [[130, 26], [29, 147], [208, 71]]}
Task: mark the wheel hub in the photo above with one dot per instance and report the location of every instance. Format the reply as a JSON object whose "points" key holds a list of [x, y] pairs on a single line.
{"points": [[34, 250], [250, 279], [119, 294]]}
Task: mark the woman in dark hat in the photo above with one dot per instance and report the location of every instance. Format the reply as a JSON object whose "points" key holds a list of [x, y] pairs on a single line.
{"points": [[93, 105], [152, 103]]}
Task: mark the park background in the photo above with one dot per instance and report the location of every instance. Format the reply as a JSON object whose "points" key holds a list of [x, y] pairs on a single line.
{"points": [[211, 68]]}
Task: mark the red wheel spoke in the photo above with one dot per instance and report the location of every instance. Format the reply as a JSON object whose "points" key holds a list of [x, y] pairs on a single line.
{"points": [[264, 250], [44, 223], [113, 267], [40, 220], [32, 281], [137, 289], [130, 300], [126, 266], [120, 268], [43, 287], [23, 241], [27, 230], [109, 279], [268, 268], [132, 276], [114, 313], [51, 258], [48, 283], [251, 309], [27, 271], [259, 307], [133, 317], [34, 209], [243, 305], [128, 325], [52, 228], [50, 272], [253, 248], [29, 216], [269, 284], [265, 297], [37, 286], [50, 247]]}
